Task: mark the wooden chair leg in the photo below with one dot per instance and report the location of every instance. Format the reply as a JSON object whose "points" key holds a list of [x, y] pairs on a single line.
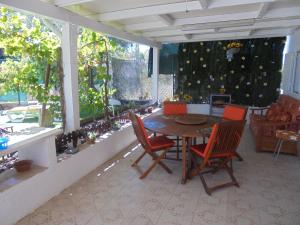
{"points": [[239, 157], [206, 188], [138, 159], [230, 172], [223, 164], [177, 148], [156, 161], [155, 156]]}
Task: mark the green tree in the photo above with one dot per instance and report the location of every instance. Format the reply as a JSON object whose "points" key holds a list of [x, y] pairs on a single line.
{"points": [[94, 50], [32, 49]]}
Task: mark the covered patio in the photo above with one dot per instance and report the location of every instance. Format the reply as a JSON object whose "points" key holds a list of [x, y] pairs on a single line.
{"points": [[96, 184], [268, 194]]}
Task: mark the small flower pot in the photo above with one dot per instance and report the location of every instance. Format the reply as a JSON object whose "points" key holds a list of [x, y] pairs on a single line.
{"points": [[23, 165], [91, 140]]}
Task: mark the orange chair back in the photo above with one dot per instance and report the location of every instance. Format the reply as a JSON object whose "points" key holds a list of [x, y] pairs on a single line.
{"points": [[140, 131], [224, 139], [235, 112], [211, 142], [174, 108]]}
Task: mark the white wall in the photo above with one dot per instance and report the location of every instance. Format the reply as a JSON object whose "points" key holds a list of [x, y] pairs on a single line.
{"points": [[198, 108], [290, 51]]}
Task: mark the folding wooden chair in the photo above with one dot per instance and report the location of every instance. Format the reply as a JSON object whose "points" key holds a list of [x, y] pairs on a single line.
{"points": [[235, 112], [217, 153], [151, 145], [175, 108]]}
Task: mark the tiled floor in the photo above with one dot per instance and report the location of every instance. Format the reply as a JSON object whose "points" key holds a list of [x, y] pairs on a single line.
{"points": [[269, 195]]}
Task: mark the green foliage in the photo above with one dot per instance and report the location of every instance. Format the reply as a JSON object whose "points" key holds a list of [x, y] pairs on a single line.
{"points": [[93, 50], [31, 47]]}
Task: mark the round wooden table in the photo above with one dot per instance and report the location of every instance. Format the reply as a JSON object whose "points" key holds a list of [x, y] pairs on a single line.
{"points": [[187, 126]]}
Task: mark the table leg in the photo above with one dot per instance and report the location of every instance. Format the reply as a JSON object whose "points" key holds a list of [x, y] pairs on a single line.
{"points": [[184, 142], [279, 148], [188, 148], [276, 147], [298, 149]]}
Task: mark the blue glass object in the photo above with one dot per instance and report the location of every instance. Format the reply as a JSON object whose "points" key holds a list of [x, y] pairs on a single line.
{"points": [[3, 143]]}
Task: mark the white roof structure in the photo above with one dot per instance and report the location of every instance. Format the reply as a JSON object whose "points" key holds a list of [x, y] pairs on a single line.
{"points": [[153, 22]]}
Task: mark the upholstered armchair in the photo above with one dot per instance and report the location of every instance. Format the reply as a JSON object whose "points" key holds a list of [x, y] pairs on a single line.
{"points": [[282, 115]]}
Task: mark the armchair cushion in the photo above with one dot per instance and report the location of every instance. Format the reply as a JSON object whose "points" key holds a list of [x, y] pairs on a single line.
{"points": [[274, 112], [286, 117]]}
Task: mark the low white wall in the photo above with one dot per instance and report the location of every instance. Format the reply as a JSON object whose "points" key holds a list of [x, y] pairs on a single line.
{"points": [[198, 108], [23, 198]]}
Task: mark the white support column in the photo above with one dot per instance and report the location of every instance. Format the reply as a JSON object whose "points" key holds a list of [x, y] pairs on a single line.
{"points": [[155, 73], [69, 49]]}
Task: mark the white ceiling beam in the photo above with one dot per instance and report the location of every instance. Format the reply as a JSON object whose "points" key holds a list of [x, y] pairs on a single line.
{"points": [[265, 25], [226, 36], [52, 27], [250, 32], [288, 12], [64, 3], [162, 33], [47, 10], [293, 29], [182, 38], [203, 3], [272, 32], [215, 18], [228, 3], [150, 10], [175, 32], [193, 20], [263, 8], [274, 14], [277, 24], [145, 26], [218, 25], [168, 20], [290, 23], [173, 8]]}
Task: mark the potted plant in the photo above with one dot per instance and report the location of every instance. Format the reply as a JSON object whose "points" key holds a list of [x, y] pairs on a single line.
{"points": [[116, 125], [222, 89], [91, 137]]}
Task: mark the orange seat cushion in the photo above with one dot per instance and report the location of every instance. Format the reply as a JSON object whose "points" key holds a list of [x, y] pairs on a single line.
{"points": [[234, 113], [160, 142], [200, 149], [174, 108]]}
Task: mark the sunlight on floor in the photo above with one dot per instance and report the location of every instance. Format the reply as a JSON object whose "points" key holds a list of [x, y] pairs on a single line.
{"points": [[113, 194]]}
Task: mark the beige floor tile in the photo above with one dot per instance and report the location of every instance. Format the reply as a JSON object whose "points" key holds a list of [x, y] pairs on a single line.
{"points": [[268, 195]]}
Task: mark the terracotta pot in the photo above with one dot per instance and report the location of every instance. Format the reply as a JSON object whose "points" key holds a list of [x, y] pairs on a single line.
{"points": [[23, 165]]}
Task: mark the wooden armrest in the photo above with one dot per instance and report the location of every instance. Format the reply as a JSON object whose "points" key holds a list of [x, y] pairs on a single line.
{"points": [[276, 125]]}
